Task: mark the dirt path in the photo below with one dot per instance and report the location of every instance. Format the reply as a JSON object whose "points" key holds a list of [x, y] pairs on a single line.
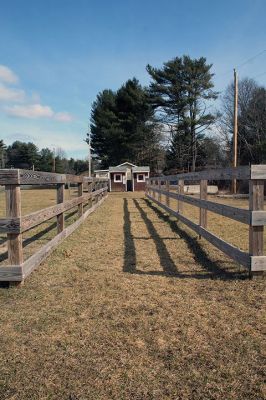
{"points": [[133, 306]]}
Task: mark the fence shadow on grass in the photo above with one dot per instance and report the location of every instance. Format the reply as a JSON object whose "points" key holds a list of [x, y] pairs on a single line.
{"points": [[200, 255], [211, 269]]}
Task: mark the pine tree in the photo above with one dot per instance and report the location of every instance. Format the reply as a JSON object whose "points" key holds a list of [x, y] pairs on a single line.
{"points": [[179, 92], [122, 125]]}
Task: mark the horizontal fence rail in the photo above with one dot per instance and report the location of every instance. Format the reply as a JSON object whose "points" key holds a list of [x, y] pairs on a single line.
{"points": [[254, 217], [14, 224]]}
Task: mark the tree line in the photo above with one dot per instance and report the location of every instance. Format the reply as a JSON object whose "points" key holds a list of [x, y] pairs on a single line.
{"points": [[173, 124], [28, 156]]}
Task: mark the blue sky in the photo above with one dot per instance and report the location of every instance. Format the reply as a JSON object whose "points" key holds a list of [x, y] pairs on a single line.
{"points": [[56, 55]]}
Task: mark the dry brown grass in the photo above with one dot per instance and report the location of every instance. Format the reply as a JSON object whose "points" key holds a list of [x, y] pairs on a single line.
{"points": [[133, 306]]}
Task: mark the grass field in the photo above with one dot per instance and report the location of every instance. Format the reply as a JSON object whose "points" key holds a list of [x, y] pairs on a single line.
{"points": [[134, 306]]}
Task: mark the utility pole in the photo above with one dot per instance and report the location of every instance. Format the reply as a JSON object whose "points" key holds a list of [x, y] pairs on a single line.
{"points": [[90, 149], [235, 127]]}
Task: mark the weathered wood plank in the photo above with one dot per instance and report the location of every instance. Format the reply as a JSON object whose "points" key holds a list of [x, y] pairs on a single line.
{"points": [[215, 174], [167, 197], [31, 220], [10, 225], [258, 263], [238, 214], [203, 196], [233, 252], [13, 210], [74, 178], [258, 218], [9, 177], [256, 203], [180, 192], [258, 172], [29, 177], [11, 273], [60, 199], [80, 193], [34, 261]]}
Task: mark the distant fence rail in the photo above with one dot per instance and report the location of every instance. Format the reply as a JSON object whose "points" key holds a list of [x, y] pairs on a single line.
{"points": [[255, 216], [14, 224]]}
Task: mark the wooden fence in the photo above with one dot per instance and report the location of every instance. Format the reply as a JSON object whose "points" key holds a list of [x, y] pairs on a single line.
{"points": [[255, 216], [15, 224]]}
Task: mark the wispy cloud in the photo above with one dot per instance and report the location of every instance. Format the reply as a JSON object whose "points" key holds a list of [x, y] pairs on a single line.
{"points": [[31, 107], [34, 111], [30, 111], [8, 94], [7, 75], [63, 117]]}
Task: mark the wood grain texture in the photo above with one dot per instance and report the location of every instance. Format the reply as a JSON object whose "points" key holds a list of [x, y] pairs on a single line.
{"points": [[231, 251], [180, 192], [215, 174], [203, 196], [258, 172], [31, 220], [258, 263], [13, 210], [80, 193], [10, 225], [9, 177], [256, 203], [60, 199], [11, 273], [34, 261], [167, 200], [238, 214]]}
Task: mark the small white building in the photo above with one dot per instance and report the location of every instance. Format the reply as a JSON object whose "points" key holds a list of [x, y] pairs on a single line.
{"points": [[126, 177]]}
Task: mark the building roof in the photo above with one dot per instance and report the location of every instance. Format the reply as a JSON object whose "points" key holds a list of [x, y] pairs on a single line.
{"points": [[118, 169], [126, 163], [141, 169], [123, 168]]}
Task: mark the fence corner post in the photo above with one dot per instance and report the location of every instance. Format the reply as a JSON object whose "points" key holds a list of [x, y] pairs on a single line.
{"points": [[180, 190], [168, 190], [80, 193], [203, 196], [60, 192], [13, 210], [256, 203]]}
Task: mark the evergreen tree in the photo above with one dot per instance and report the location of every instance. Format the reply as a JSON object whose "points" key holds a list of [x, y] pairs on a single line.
{"points": [[179, 92], [22, 155], [122, 126], [105, 128], [45, 160]]}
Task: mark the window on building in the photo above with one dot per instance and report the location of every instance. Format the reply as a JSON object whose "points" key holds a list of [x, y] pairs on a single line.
{"points": [[140, 178], [117, 177]]}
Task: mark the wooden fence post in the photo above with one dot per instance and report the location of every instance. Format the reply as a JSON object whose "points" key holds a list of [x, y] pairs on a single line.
{"points": [[13, 210], [80, 193], [159, 194], [153, 192], [256, 203], [203, 196], [180, 190], [167, 189], [60, 199], [90, 185]]}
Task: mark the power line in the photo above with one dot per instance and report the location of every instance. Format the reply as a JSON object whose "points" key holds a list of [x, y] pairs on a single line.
{"points": [[243, 63], [251, 59], [257, 76]]}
